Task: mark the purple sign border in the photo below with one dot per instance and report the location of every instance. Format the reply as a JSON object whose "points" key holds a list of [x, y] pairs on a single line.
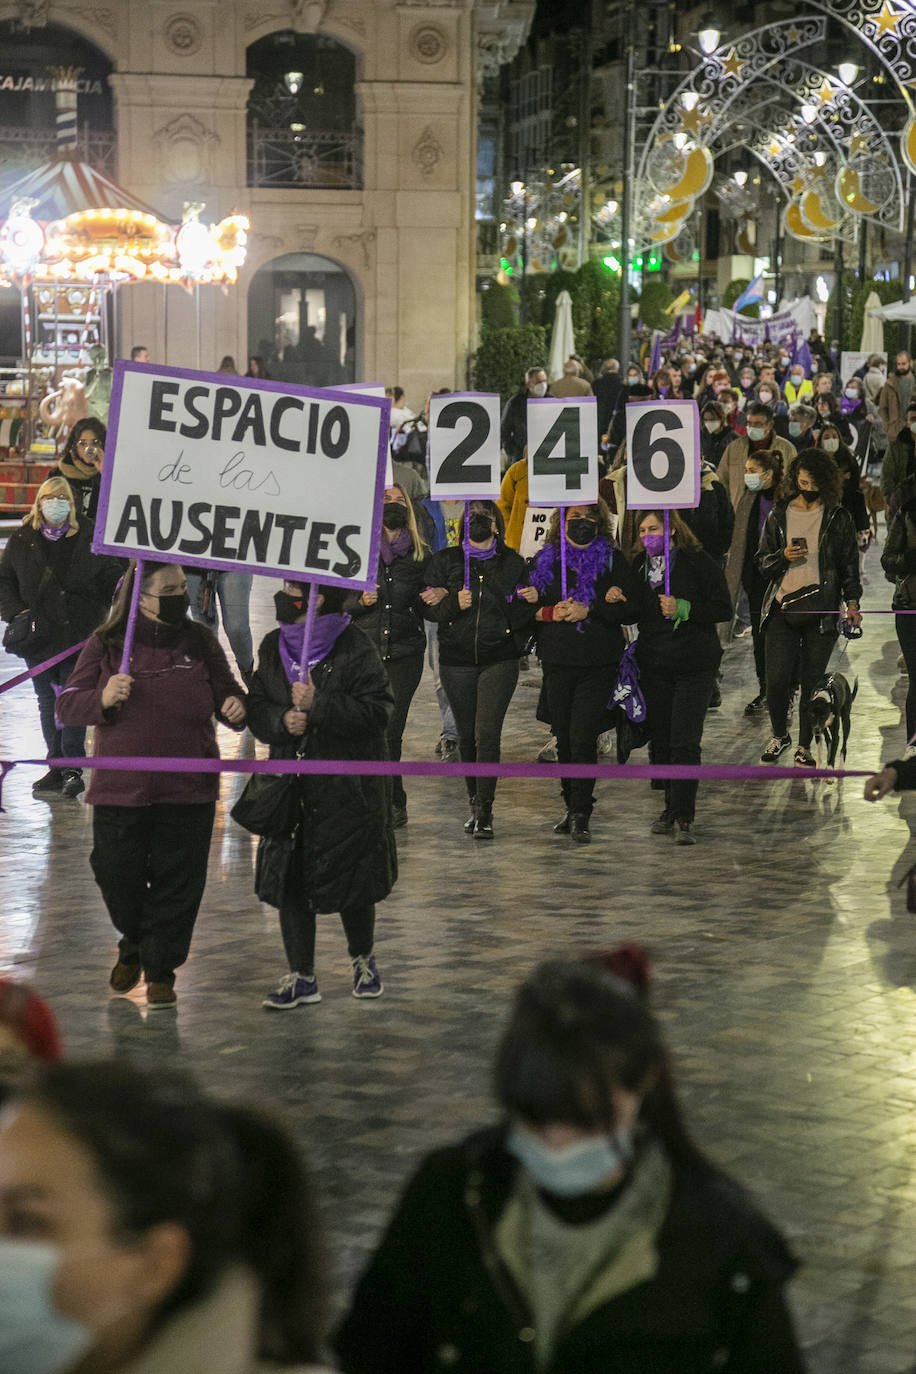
{"points": [[564, 400], [659, 403], [465, 496], [380, 403]]}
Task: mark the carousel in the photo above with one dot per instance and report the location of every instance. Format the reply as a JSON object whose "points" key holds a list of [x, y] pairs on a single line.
{"points": [[70, 239]]}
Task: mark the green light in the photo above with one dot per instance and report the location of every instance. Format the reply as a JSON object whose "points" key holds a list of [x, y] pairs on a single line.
{"points": [[653, 263], [637, 264], [612, 262], [504, 264]]}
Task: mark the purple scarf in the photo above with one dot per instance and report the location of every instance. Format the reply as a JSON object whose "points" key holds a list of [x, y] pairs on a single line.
{"points": [[55, 532], [483, 555], [397, 547], [847, 406], [588, 564], [325, 634]]}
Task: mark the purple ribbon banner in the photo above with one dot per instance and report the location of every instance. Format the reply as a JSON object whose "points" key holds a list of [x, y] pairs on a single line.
{"points": [[40, 667], [706, 772]]}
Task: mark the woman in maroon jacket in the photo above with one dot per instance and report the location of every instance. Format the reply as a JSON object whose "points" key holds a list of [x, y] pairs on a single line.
{"points": [[151, 831]]}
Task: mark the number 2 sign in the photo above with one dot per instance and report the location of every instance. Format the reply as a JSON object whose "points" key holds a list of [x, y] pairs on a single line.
{"points": [[663, 455], [562, 451], [464, 447]]}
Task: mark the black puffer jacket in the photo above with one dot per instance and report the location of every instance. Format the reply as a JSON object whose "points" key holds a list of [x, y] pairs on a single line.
{"points": [[445, 1299], [899, 560], [346, 851], [490, 630], [838, 560], [76, 596], [395, 622], [691, 645], [713, 520]]}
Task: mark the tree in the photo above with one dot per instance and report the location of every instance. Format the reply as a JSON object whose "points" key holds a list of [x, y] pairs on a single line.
{"points": [[654, 300], [505, 355], [733, 291], [498, 306]]}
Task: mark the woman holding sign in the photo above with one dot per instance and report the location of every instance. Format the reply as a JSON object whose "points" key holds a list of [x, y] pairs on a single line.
{"points": [[392, 617], [678, 652], [479, 619], [151, 831], [580, 642], [341, 855]]}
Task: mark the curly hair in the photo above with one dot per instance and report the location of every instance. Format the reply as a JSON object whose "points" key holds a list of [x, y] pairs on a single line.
{"points": [[821, 467], [599, 510]]}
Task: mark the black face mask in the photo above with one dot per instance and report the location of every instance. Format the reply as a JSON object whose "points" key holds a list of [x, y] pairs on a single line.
{"points": [[394, 516], [288, 608], [480, 527], [582, 531], [173, 609], [809, 496]]}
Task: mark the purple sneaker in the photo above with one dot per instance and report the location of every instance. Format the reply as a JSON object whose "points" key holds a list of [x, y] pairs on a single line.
{"points": [[294, 991], [366, 980]]}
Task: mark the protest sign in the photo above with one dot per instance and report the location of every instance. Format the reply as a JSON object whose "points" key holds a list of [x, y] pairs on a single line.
{"points": [[240, 474], [663, 455], [562, 450], [464, 458]]}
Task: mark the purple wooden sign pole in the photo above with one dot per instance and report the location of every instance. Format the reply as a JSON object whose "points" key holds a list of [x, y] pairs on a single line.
{"points": [[310, 614], [131, 618], [563, 552], [667, 555], [467, 546]]}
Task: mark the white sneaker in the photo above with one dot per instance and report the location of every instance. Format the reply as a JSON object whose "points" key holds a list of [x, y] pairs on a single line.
{"points": [[549, 753], [910, 751]]}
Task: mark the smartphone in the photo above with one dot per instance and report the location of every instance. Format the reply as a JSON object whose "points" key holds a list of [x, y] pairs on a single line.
{"points": [[800, 544]]}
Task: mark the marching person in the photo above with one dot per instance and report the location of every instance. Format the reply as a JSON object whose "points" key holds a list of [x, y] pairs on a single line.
{"points": [[678, 653], [479, 629], [341, 856], [50, 576], [392, 617], [808, 547], [233, 592], [715, 434], [580, 642], [81, 464], [896, 395], [586, 1231], [151, 831], [899, 563], [763, 471]]}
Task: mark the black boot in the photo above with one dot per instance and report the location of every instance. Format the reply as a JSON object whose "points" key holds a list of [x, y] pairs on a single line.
{"points": [[472, 819], [483, 826], [578, 828]]}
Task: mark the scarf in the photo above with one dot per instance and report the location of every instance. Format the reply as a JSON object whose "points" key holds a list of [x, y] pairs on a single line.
{"points": [[397, 547], [325, 633], [482, 555], [588, 564], [55, 532], [847, 406], [73, 466]]}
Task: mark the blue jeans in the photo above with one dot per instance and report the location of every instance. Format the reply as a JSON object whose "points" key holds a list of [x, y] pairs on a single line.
{"points": [[233, 591], [449, 729], [61, 741]]}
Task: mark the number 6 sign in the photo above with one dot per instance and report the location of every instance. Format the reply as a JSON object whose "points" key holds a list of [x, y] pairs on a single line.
{"points": [[464, 447], [663, 455], [562, 451]]}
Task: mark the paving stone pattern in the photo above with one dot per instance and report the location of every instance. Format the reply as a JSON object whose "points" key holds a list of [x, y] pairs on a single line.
{"points": [[785, 974]]}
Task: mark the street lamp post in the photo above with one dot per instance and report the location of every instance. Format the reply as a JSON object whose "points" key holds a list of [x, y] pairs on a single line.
{"points": [[625, 329]]}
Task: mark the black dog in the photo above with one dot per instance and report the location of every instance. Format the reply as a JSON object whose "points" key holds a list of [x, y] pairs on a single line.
{"points": [[829, 710]]}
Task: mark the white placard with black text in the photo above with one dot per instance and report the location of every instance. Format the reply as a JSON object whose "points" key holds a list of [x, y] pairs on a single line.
{"points": [[562, 451], [464, 456], [663, 455]]}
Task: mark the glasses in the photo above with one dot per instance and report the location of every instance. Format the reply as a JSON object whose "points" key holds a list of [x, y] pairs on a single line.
{"points": [[90, 445]]}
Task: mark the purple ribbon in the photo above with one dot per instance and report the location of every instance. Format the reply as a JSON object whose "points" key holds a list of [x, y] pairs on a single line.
{"points": [[311, 612], [40, 667], [563, 553], [667, 554], [131, 618], [467, 546]]}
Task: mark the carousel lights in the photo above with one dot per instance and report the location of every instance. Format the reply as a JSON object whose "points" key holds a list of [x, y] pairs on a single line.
{"points": [[21, 243]]}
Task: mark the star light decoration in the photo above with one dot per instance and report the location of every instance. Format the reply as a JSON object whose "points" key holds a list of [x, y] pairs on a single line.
{"points": [[886, 21]]}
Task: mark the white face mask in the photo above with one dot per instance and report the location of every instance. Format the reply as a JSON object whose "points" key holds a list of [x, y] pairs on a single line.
{"points": [[830, 445], [766, 397], [540, 388], [34, 1337], [712, 426], [575, 1169], [755, 433], [851, 394]]}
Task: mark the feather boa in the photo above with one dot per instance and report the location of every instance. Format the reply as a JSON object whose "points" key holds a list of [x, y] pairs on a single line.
{"points": [[588, 564]]}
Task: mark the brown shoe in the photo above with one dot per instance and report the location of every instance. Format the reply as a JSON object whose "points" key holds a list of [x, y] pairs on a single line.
{"points": [[160, 996], [124, 977]]}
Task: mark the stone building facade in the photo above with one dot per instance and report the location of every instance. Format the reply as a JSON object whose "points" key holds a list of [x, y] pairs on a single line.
{"points": [[395, 235]]}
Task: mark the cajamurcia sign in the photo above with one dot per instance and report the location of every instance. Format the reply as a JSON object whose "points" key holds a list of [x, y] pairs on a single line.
{"points": [[209, 471]]}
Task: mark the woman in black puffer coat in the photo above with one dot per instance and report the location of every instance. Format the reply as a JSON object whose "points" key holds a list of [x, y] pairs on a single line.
{"points": [[342, 855], [479, 643], [392, 617]]}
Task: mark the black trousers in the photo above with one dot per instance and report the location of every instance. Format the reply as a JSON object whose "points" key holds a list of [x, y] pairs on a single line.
{"points": [[298, 923], [404, 676], [790, 652], [675, 711], [150, 863], [756, 587], [906, 634], [577, 705], [479, 695]]}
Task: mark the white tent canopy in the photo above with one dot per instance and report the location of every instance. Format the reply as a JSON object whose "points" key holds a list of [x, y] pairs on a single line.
{"points": [[897, 310], [562, 340]]}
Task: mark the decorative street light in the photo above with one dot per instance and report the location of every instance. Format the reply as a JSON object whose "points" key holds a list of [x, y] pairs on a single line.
{"points": [[709, 40], [293, 82]]}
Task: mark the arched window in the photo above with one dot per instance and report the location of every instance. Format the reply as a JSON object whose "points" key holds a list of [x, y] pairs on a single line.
{"points": [[29, 61], [302, 125], [302, 320]]}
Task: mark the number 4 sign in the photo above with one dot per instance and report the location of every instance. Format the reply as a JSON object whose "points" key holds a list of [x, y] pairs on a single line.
{"points": [[464, 447], [663, 455], [562, 451]]}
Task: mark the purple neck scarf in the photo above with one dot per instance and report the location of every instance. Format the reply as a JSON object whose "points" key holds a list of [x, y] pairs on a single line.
{"points": [[482, 554], [847, 406], [588, 564], [325, 634], [55, 532], [397, 547]]}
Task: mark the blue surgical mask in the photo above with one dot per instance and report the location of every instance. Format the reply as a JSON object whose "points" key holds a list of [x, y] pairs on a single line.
{"points": [[34, 1337], [795, 428], [575, 1169], [756, 432], [753, 481], [55, 509]]}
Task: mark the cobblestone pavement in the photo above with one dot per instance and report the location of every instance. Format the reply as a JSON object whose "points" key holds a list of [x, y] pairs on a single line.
{"points": [[786, 968]]}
